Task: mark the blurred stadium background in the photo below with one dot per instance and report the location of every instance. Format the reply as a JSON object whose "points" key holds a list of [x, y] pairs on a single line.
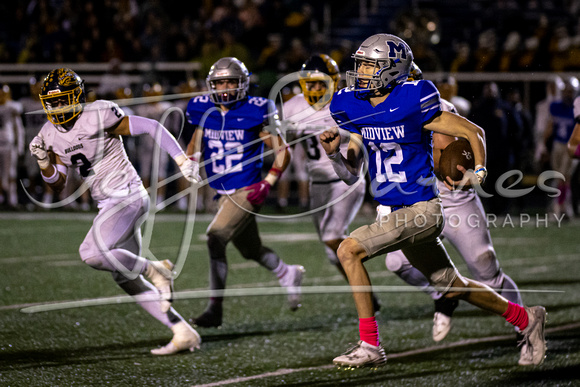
{"points": [[125, 48]]}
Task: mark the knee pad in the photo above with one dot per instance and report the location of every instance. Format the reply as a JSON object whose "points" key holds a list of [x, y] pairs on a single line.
{"points": [[395, 261], [487, 270], [443, 279]]}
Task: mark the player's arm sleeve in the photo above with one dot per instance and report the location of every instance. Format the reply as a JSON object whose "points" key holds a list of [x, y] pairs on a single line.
{"points": [[140, 125], [118, 123]]}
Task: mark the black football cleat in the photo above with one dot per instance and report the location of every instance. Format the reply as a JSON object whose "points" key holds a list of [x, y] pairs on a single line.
{"points": [[211, 318]]}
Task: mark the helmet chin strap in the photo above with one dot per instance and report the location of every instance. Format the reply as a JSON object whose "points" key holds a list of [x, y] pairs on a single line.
{"points": [[67, 126]]}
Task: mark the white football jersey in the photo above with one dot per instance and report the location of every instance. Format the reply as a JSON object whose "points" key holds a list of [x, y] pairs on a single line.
{"points": [[311, 123], [458, 197], [99, 157]]}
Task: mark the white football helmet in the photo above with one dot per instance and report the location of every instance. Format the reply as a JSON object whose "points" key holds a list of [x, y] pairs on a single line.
{"points": [[392, 59], [228, 68]]}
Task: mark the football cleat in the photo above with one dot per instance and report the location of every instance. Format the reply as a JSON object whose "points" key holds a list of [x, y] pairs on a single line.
{"points": [[161, 275], [362, 355], [444, 309], [533, 344], [441, 326], [292, 282], [211, 318], [184, 338]]}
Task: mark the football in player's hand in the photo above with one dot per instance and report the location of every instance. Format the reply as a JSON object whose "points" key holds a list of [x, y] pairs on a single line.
{"points": [[459, 152]]}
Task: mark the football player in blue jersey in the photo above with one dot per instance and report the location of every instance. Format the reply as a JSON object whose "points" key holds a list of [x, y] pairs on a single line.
{"points": [[230, 137], [392, 122], [468, 233]]}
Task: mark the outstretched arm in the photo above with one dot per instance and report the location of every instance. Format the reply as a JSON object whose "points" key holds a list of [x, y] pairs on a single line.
{"points": [[136, 125]]}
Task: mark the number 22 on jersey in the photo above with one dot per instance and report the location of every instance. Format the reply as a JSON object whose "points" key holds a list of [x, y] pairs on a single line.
{"points": [[230, 152]]}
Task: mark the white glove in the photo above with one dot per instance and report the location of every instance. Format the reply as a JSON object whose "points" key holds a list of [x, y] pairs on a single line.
{"points": [[190, 170], [38, 151]]}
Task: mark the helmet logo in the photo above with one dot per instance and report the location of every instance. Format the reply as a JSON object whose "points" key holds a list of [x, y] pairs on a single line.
{"points": [[53, 91], [221, 73], [67, 78], [395, 48]]}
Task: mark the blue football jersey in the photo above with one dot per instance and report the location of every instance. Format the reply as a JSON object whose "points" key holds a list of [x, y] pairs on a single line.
{"points": [[232, 148], [562, 120], [400, 152]]}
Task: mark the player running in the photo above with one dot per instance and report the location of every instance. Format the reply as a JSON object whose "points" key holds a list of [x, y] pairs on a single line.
{"points": [[231, 136], [468, 233], [87, 137], [309, 113], [392, 121]]}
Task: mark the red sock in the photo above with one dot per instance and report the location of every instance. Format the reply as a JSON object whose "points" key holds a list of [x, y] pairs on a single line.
{"points": [[369, 330], [516, 315]]}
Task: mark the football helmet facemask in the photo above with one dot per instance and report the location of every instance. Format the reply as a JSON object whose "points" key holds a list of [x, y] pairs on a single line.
{"points": [[62, 96], [391, 58], [225, 69], [318, 68]]}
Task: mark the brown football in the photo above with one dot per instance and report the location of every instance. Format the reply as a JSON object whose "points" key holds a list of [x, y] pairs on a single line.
{"points": [[459, 152]]}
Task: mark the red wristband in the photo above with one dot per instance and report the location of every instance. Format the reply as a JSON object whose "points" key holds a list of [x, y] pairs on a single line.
{"points": [[275, 171], [577, 153]]}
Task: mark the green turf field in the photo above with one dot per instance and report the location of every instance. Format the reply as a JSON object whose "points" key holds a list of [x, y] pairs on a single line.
{"points": [[263, 343]]}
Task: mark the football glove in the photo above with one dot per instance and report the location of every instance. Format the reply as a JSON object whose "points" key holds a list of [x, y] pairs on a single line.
{"points": [[190, 170], [38, 151], [258, 192]]}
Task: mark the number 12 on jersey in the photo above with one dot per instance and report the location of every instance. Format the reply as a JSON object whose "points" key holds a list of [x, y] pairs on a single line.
{"points": [[397, 158]]}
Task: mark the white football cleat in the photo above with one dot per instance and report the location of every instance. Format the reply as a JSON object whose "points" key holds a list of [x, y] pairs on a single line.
{"points": [[292, 282], [534, 342], [362, 355], [161, 275], [441, 326], [184, 338]]}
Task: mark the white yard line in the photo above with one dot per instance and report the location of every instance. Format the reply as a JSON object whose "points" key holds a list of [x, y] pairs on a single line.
{"points": [[413, 352]]}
